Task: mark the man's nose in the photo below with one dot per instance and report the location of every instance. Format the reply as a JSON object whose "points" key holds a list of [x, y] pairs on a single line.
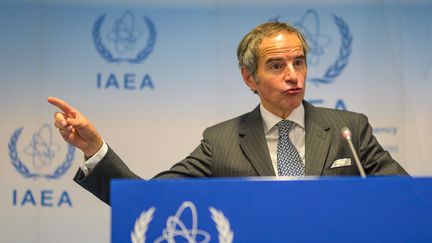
{"points": [[290, 74]]}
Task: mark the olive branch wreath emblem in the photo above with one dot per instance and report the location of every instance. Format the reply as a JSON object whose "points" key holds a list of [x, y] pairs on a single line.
{"points": [[24, 170], [342, 59], [109, 57]]}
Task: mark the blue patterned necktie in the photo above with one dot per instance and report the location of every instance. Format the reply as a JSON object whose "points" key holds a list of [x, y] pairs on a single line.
{"points": [[289, 162]]}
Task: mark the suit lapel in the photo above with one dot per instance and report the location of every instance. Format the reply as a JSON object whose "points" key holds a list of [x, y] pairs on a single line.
{"points": [[318, 140], [254, 145]]}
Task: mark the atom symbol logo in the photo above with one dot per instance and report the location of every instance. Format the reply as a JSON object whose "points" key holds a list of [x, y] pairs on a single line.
{"points": [[124, 34], [175, 227], [41, 148]]}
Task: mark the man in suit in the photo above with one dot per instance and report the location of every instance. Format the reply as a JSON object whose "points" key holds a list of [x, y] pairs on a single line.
{"points": [[283, 136]]}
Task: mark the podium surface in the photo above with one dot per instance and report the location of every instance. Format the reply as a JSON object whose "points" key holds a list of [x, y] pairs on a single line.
{"points": [[261, 210]]}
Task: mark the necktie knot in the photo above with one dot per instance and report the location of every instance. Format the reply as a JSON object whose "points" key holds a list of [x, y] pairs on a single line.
{"points": [[285, 126]]}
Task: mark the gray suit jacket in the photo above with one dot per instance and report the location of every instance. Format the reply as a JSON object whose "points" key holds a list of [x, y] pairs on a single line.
{"points": [[238, 148]]}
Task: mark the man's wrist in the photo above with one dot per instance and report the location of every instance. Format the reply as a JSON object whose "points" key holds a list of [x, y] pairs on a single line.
{"points": [[90, 162], [93, 149]]}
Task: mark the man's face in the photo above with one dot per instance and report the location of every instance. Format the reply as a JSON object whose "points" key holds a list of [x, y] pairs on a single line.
{"points": [[281, 73]]}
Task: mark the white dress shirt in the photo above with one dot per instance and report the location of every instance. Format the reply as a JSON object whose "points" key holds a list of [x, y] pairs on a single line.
{"points": [[271, 131]]}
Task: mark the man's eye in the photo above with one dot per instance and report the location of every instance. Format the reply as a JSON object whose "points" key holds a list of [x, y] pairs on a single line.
{"points": [[299, 62], [276, 66]]}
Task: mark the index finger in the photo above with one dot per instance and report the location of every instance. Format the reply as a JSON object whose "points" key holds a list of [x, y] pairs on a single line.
{"points": [[61, 104]]}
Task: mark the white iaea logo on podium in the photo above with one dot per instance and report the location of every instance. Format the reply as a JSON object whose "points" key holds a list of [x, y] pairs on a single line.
{"points": [[176, 228]]}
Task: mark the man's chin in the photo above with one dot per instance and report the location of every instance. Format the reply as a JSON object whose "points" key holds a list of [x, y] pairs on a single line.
{"points": [[297, 102]]}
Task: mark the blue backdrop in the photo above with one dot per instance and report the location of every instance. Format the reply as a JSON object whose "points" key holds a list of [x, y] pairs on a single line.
{"points": [[152, 75]]}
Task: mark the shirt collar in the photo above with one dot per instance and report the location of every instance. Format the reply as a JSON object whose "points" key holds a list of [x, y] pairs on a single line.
{"points": [[270, 119]]}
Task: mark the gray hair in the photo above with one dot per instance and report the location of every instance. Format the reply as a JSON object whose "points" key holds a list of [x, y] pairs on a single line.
{"points": [[247, 50]]}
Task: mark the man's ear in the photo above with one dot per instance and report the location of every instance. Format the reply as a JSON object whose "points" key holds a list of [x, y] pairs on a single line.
{"points": [[249, 79]]}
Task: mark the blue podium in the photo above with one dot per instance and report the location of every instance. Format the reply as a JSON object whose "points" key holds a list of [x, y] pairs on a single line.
{"points": [[235, 210]]}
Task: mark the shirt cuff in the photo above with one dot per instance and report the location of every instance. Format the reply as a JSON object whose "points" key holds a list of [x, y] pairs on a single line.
{"points": [[88, 165]]}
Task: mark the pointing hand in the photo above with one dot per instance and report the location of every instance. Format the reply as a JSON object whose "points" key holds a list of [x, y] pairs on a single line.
{"points": [[76, 128]]}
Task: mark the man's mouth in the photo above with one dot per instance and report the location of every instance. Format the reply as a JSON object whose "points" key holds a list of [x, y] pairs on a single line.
{"points": [[296, 90]]}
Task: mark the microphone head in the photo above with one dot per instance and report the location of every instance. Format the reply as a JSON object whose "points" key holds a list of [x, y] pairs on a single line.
{"points": [[346, 132]]}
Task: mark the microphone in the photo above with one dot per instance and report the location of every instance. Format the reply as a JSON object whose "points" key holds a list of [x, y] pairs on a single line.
{"points": [[346, 133]]}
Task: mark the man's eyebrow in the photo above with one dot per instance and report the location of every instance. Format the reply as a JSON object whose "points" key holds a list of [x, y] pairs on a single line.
{"points": [[276, 59], [273, 59], [301, 56]]}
